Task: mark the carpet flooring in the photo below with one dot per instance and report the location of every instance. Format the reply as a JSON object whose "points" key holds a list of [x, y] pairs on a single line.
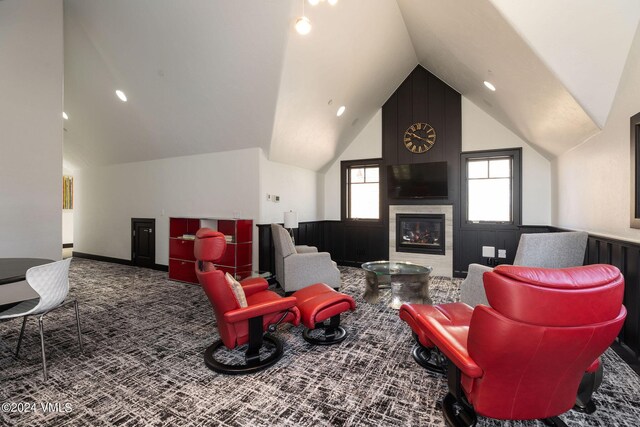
{"points": [[145, 336]]}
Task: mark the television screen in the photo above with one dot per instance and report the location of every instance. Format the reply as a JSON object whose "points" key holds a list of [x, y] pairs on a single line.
{"points": [[418, 181]]}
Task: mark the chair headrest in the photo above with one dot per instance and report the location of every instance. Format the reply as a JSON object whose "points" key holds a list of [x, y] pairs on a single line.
{"points": [[210, 245], [556, 297], [589, 276]]}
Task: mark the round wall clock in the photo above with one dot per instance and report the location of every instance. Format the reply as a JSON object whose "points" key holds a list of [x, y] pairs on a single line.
{"points": [[419, 138]]}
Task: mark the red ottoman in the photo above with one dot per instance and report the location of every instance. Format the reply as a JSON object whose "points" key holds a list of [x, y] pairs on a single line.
{"points": [[320, 302]]}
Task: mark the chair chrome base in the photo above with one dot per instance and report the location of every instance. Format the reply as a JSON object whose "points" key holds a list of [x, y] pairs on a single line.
{"points": [[333, 333], [430, 358], [41, 328], [554, 422], [457, 414], [335, 337], [252, 364], [590, 383]]}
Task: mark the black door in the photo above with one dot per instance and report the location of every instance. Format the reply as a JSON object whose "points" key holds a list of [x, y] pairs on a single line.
{"points": [[143, 242]]}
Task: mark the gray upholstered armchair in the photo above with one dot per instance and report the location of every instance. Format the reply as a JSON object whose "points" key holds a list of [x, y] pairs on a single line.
{"points": [[301, 266], [547, 250]]}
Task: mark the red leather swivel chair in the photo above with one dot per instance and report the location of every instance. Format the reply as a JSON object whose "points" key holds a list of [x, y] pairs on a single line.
{"points": [[240, 325], [524, 357]]}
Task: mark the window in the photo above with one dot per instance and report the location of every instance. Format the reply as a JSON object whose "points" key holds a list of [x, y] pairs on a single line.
{"points": [[489, 194], [361, 190], [491, 187]]}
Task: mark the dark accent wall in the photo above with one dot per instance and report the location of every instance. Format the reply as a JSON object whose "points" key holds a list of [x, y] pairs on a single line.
{"points": [[423, 98], [473, 240], [348, 245], [625, 256], [352, 245]]}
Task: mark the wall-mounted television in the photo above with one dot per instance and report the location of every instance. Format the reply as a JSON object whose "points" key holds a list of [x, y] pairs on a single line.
{"points": [[418, 181]]}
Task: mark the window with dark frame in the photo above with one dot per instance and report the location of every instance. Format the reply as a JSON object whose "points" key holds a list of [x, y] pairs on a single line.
{"points": [[491, 187], [361, 190]]}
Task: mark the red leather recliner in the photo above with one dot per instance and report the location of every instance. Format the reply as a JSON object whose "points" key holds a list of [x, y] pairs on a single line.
{"points": [[525, 356], [240, 325]]}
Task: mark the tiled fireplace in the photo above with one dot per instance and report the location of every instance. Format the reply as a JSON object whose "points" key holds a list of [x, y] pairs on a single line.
{"points": [[422, 235]]}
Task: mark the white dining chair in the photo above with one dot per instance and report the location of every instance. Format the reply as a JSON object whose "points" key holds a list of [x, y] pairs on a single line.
{"points": [[51, 282]]}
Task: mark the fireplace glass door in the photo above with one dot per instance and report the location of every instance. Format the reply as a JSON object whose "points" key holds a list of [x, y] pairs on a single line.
{"points": [[420, 233]]}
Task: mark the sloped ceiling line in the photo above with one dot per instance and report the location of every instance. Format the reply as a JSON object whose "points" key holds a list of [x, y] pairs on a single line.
{"points": [[204, 78]]}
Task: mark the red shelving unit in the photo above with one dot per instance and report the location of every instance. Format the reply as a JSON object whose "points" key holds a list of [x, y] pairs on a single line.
{"points": [[236, 259]]}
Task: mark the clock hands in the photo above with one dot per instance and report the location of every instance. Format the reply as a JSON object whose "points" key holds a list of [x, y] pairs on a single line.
{"points": [[419, 137]]}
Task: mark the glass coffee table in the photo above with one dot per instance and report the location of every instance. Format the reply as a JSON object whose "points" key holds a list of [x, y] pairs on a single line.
{"points": [[409, 282]]}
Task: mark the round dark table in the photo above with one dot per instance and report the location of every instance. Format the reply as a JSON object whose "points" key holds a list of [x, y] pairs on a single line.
{"points": [[15, 269]]}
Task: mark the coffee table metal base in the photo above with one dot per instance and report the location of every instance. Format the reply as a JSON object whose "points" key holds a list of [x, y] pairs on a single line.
{"points": [[409, 287]]}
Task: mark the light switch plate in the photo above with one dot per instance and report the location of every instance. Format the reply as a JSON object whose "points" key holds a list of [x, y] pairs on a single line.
{"points": [[502, 253], [488, 251]]}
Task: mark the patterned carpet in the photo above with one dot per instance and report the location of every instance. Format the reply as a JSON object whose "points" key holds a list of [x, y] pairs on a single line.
{"points": [[144, 338]]}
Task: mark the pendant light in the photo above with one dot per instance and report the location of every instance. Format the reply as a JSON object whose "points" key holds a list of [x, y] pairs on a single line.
{"points": [[303, 25]]}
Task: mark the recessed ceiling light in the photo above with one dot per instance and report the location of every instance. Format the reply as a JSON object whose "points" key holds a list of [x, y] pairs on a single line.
{"points": [[332, 2], [490, 86], [314, 2], [303, 25], [121, 95], [64, 116], [341, 111]]}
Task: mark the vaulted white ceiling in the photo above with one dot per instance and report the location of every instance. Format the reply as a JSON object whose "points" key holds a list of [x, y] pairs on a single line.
{"points": [[200, 76], [585, 43], [354, 56], [214, 75]]}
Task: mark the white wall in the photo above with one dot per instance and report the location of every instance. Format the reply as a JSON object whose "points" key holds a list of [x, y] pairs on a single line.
{"points": [[367, 145], [67, 226], [296, 187], [593, 180], [222, 185], [31, 84], [481, 132]]}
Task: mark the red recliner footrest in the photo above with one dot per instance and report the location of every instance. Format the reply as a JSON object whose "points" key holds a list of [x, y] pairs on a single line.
{"points": [[320, 302], [448, 315]]}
